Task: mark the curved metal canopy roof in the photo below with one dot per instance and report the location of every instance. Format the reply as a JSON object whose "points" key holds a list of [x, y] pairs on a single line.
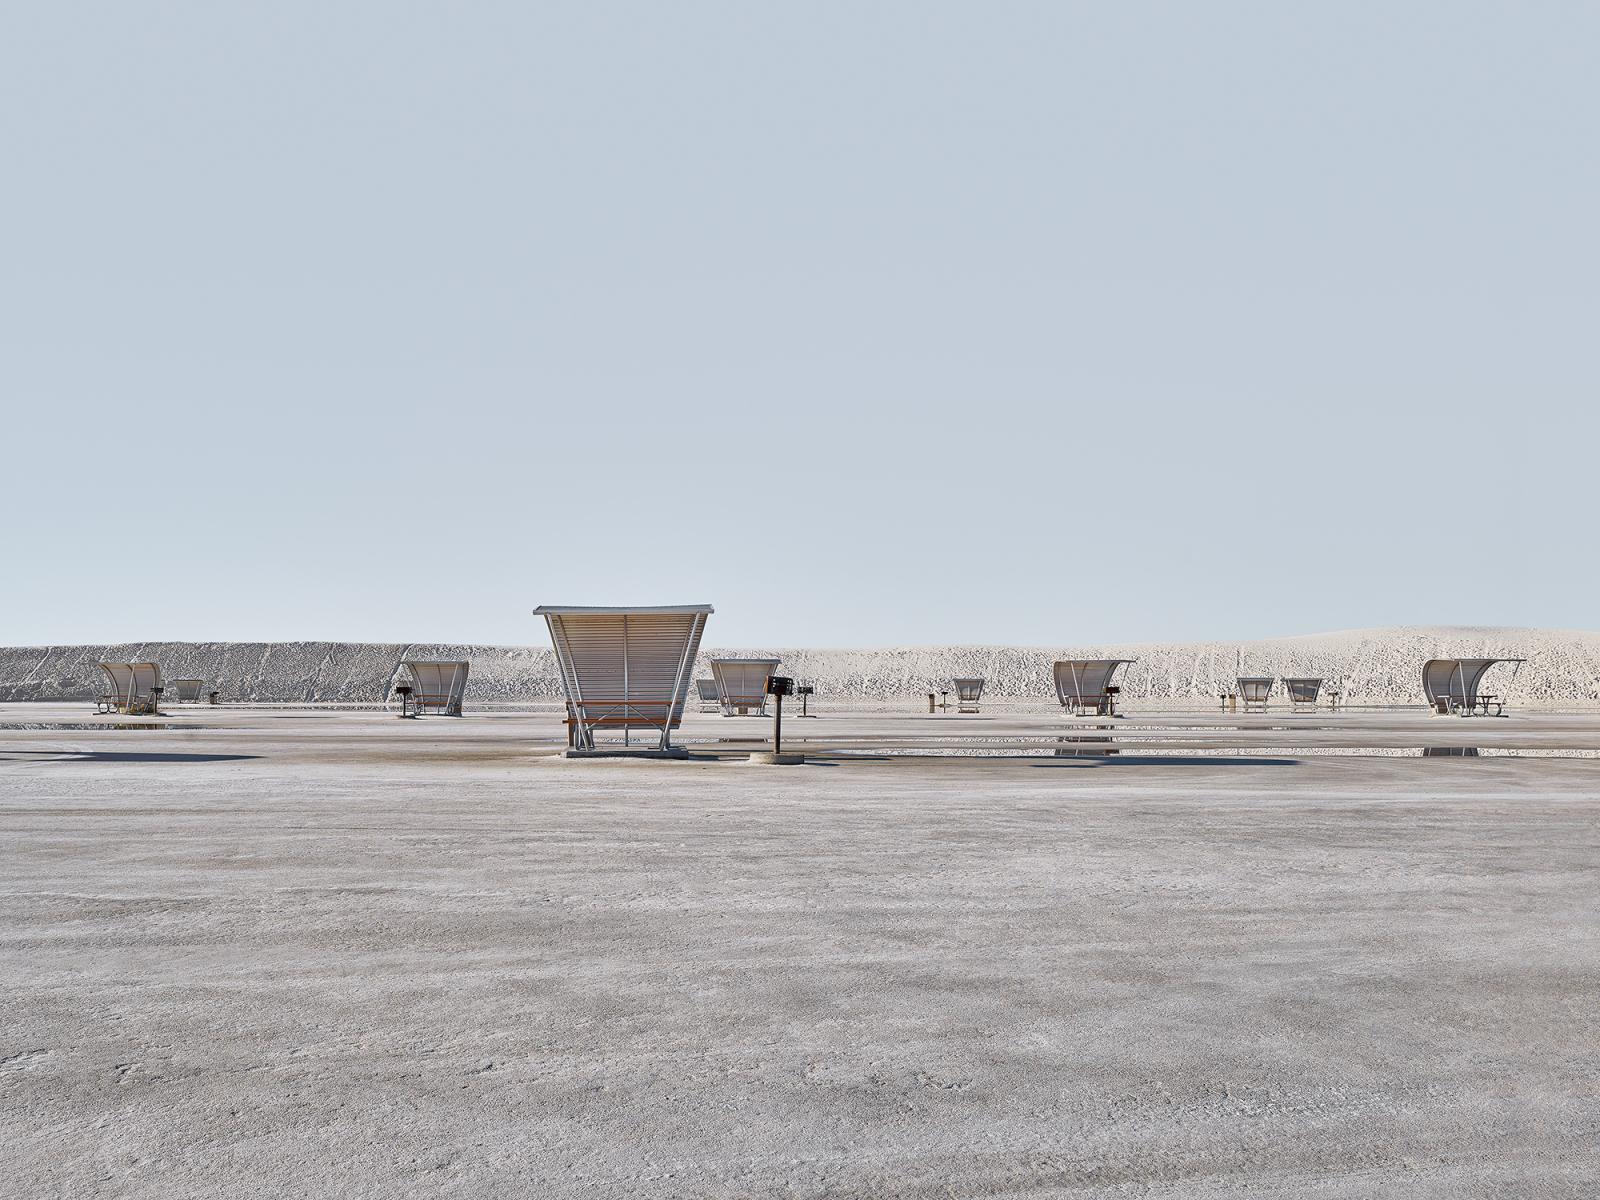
{"points": [[1457, 679]]}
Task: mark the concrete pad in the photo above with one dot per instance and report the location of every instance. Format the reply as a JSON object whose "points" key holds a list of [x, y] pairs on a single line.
{"points": [[656, 755]]}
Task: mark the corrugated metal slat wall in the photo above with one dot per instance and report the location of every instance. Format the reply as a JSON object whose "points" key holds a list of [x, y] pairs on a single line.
{"points": [[742, 681], [643, 658]]}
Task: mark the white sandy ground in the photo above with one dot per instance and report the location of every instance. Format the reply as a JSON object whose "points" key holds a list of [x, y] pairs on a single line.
{"points": [[1377, 666], [297, 953]]}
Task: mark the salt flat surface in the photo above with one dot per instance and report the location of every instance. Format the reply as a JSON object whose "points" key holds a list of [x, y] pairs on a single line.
{"points": [[312, 953]]}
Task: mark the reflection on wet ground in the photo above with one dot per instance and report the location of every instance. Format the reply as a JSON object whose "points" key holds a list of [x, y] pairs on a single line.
{"points": [[94, 725], [861, 737], [1151, 751], [1102, 746]]}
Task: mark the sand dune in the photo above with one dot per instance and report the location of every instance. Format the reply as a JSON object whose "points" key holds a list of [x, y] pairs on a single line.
{"points": [[1375, 665]]}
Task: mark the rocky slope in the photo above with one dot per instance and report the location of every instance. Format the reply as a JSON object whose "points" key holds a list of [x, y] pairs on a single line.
{"points": [[1375, 665]]}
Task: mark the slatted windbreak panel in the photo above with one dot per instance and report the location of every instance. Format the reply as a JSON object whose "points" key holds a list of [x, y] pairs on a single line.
{"points": [[742, 682], [146, 678], [188, 689], [119, 679], [1457, 678], [1084, 680], [439, 679], [611, 661], [707, 688], [1254, 688], [1303, 691], [969, 690], [1439, 680]]}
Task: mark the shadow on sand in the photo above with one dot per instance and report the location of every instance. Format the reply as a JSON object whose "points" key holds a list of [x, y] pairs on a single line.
{"points": [[1161, 760]]}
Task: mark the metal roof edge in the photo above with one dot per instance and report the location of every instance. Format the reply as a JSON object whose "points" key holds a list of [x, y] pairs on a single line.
{"points": [[558, 610]]}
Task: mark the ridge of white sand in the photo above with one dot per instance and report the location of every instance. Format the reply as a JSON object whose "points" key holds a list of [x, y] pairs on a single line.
{"points": [[1375, 666]]}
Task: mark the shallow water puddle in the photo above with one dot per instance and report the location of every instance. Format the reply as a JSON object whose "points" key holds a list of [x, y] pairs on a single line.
{"points": [[92, 725]]}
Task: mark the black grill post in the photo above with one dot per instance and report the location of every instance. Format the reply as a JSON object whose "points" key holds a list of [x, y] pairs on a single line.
{"points": [[778, 686]]}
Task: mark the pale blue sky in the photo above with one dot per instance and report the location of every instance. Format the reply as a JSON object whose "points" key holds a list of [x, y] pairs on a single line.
{"points": [[1060, 322]]}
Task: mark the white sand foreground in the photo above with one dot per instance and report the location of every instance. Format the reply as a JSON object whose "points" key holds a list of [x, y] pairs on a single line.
{"points": [[307, 953]]}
